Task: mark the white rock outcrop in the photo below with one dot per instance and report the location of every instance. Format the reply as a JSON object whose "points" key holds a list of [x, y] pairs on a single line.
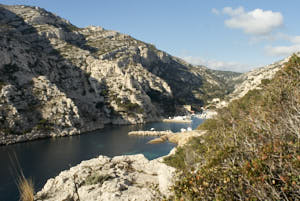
{"points": [[122, 178]]}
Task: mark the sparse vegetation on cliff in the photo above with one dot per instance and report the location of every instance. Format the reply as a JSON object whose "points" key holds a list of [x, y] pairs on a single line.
{"points": [[251, 150], [68, 75], [2, 84], [44, 125]]}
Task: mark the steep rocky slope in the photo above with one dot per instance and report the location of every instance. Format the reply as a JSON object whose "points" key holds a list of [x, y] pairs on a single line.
{"points": [[252, 79], [227, 78], [240, 84], [58, 79]]}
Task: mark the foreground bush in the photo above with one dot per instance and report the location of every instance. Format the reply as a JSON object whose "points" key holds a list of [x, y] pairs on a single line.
{"points": [[251, 150]]}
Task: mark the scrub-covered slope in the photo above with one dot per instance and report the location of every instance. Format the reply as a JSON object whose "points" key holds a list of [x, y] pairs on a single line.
{"points": [[251, 149]]}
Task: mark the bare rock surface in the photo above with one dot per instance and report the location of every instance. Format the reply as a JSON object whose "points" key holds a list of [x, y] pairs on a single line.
{"points": [[183, 137], [207, 114], [125, 178], [57, 79], [179, 138]]}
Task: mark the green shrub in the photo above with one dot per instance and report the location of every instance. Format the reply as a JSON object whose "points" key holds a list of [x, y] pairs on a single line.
{"points": [[176, 160], [129, 107], [208, 124], [2, 84], [265, 81], [96, 179], [10, 69], [44, 125], [104, 92]]}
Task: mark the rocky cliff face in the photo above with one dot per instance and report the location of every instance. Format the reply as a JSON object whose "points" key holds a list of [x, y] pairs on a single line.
{"points": [[58, 79]]}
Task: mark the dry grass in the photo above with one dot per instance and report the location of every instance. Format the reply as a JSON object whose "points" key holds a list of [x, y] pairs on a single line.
{"points": [[26, 189], [25, 186]]}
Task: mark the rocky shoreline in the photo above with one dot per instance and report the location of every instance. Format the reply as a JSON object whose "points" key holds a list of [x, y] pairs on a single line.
{"points": [[37, 134], [129, 177], [180, 138], [12, 139], [112, 179]]}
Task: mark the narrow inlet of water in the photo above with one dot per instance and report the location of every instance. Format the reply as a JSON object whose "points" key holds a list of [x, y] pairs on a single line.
{"points": [[46, 158]]}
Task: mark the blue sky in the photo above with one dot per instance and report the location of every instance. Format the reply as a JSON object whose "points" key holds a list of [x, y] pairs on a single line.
{"points": [[236, 35]]}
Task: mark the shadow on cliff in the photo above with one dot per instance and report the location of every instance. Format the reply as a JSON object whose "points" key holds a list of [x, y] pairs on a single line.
{"points": [[71, 80], [182, 82]]}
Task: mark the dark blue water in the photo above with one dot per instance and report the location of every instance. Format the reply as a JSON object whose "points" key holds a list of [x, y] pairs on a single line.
{"points": [[43, 159]]}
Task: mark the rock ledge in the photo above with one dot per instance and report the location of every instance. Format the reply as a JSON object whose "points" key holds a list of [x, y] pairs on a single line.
{"points": [[119, 178]]}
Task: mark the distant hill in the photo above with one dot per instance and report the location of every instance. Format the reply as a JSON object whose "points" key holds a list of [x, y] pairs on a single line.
{"points": [[58, 79]]}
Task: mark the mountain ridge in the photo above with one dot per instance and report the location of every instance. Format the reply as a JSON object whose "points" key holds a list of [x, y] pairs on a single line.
{"points": [[241, 84], [58, 79]]}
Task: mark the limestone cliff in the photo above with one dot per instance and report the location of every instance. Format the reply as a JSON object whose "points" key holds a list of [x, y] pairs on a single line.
{"points": [[58, 79]]}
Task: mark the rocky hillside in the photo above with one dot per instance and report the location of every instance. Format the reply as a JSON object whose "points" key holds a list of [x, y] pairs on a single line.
{"points": [[58, 79], [240, 84], [251, 148], [227, 78], [251, 80]]}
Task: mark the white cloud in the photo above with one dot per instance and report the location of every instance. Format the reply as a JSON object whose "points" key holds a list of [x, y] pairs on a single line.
{"points": [[255, 22], [215, 11], [218, 65], [233, 12], [295, 39], [270, 38], [260, 25], [282, 50]]}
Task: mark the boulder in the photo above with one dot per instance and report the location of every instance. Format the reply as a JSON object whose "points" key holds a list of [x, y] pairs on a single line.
{"points": [[111, 179]]}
